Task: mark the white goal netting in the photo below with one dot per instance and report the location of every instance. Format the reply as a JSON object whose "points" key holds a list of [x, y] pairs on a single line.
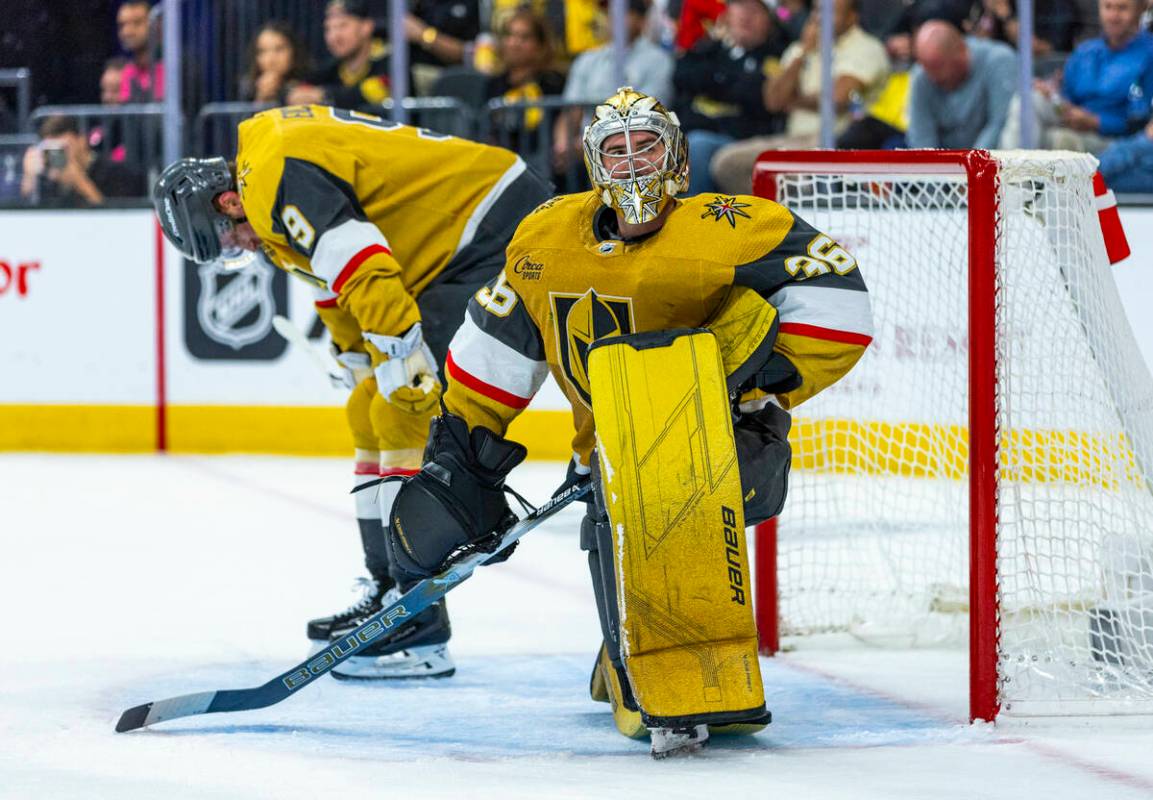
{"points": [[874, 538]]}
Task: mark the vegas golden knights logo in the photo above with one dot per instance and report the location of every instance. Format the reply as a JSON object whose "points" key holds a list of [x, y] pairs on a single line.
{"points": [[580, 320]]}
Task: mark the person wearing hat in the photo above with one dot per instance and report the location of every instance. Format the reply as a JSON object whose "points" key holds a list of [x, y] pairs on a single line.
{"points": [[358, 76]]}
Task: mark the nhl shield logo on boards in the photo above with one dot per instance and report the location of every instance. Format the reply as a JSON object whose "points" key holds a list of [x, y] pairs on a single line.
{"points": [[236, 306], [228, 312]]}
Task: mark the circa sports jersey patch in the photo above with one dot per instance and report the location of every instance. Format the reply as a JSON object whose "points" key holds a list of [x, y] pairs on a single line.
{"points": [[528, 269], [726, 208], [580, 320]]}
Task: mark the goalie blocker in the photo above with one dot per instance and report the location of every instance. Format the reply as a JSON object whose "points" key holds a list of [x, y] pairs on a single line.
{"points": [[666, 536]]}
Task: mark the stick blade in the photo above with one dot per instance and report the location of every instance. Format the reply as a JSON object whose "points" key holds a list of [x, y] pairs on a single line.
{"points": [[133, 718], [186, 705]]}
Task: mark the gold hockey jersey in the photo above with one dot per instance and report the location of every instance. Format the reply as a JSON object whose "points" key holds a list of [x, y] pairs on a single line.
{"points": [[568, 282], [368, 211]]}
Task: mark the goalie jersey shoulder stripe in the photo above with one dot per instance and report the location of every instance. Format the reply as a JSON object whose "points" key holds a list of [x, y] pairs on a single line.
{"points": [[824, 313], [499, 356]]}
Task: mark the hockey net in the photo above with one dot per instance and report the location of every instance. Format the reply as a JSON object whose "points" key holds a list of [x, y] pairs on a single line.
{"points": [[1000, 426]]}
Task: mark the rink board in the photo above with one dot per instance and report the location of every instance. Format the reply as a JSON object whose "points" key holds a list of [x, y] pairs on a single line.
{"points": [[109, 342]]}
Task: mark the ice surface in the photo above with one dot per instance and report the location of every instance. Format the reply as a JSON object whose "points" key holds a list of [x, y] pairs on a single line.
{"points": [[128, 579]]}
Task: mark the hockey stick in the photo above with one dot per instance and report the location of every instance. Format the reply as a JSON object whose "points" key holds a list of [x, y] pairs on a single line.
{"points": [[415, 600], [294, 336]]}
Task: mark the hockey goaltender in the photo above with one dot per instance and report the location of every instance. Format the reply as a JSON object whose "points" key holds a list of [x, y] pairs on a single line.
{"points": [[682, 331]]}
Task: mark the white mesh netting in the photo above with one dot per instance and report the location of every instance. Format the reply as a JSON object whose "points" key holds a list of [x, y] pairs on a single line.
{"points": [[874, 538]]}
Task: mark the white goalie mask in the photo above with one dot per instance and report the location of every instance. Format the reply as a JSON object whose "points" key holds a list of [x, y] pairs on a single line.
{"points": [[636, 175]]}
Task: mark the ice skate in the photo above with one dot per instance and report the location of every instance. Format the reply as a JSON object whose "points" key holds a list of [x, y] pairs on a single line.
{"points": [[669, 742], [422, 661], [417, 649], [322, 629]]}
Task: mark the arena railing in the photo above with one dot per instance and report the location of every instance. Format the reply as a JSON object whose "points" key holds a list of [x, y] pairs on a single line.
{"points": [[132, 133], [20, 80], [449, 115], [214, 130], [530, 127]]}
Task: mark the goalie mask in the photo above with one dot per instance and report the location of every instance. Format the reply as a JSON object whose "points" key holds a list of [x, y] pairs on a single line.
{"points": [[184, 198], [638, 175]]}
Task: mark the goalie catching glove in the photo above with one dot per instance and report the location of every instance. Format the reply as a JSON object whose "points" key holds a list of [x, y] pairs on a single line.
{"points": [[456, 500], [406, 372]]}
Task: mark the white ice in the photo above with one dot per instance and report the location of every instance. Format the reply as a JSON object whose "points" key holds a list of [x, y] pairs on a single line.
{"points": [[129, 579]]}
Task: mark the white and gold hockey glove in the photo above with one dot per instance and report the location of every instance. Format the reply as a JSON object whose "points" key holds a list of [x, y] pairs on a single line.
{"points": [[407, 375], [352, 368]]}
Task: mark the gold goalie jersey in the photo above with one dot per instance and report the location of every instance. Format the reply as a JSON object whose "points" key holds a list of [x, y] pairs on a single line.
{"points": [[567, 283], [368, 211]]}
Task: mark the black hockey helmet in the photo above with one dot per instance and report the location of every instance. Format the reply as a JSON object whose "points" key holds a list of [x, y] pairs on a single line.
{"points": [[184, 196]]}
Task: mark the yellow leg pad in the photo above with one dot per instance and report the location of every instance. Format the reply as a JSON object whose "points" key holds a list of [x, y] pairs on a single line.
{"points": [[673, 492]]}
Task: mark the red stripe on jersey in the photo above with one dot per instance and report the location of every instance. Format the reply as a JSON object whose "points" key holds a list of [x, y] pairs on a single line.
{"points": [[457, 373], [366, 468], [827, 334], [386, 472], [327, 303], [355, 262]]}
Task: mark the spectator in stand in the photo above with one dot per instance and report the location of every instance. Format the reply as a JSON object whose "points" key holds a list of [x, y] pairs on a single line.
{"points": [[792, 16], [441, 33], [142, 80], [1105, 90], [357, 77], [720, 85], [62, 171], [526, 51], [277, 60], [1055, 23], [860, 67], [961, 89], [696, 22], [648, 69], [1127, 164], [111, 80], [883, 124], [107, 135]]}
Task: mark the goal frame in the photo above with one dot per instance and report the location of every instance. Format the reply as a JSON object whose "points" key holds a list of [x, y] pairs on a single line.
{"points": [[981, 172]]}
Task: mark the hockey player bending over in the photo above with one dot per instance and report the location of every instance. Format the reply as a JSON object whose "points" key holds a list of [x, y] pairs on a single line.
{"points": [[394, 228], [682, 331]]}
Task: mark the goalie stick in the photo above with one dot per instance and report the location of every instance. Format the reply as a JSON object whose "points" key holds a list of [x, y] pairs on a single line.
{"points": [[415, 600]]}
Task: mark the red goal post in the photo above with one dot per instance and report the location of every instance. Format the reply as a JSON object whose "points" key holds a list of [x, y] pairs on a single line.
{"points": [[985, 192]]}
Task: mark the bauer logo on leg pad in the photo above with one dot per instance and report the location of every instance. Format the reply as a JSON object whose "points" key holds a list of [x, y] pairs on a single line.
{"points": [[733, 555]]}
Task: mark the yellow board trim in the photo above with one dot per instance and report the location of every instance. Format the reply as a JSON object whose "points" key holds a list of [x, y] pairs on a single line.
{"points": [[281, 430], [922, 450], [915, 450], [78, 429]]}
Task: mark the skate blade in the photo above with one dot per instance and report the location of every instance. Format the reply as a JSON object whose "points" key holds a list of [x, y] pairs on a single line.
{"points": [[430, 661], [678, 742]]}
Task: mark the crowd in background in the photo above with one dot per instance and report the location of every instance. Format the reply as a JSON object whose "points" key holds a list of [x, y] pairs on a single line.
{"points": [[743, 75]]}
